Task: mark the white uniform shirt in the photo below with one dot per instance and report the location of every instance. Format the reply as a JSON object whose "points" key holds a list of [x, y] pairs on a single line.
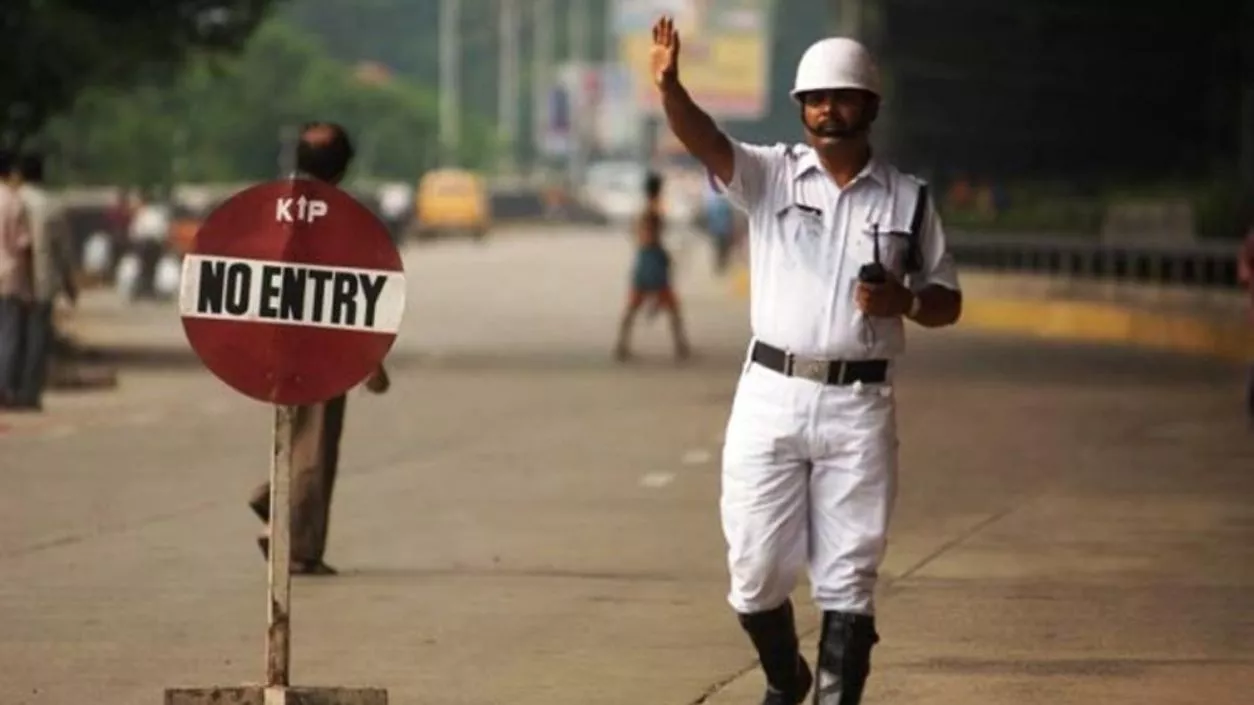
{"points": [[50, 241], [394, 199], [151, 223], [807, 240], [14, 244]]}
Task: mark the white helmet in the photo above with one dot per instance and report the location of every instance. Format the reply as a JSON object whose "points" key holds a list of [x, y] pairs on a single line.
{"points": [[835, 63]]}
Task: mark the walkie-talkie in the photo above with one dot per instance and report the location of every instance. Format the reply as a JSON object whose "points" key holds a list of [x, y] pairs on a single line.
{"points": [[874, 272]]}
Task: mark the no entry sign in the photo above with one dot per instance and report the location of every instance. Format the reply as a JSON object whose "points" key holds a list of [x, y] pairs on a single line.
{"points": [[292, 292]]}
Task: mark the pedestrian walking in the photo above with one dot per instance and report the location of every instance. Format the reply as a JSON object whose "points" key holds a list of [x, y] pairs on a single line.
{"points": [[324, 153], [15, 280], [652, 276], [51, 276]]}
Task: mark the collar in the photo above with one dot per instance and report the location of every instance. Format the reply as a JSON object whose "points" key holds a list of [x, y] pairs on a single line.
{"points": [[808, 160]]}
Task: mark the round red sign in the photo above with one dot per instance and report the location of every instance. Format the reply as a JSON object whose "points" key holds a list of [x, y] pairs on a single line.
{"points": [[292, 292]]}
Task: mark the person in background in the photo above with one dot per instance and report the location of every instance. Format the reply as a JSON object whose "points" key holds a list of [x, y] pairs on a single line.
{"points": [[147, 235], [396, 208], [720, 223], [651, 275], [14, 279], [51, 275], [324, 153]]}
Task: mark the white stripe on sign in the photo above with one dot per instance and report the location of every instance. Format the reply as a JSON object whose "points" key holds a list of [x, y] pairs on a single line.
{"points": [[292, 294]]}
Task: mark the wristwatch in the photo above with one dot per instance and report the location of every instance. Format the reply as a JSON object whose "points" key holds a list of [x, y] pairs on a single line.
{"points": [[916, 304]]}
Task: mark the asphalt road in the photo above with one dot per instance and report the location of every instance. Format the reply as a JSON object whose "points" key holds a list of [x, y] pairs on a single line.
{"points": [[521, 520]]}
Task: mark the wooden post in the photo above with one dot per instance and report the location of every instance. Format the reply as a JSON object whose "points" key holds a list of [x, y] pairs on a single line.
{"points": [[278, 632]]}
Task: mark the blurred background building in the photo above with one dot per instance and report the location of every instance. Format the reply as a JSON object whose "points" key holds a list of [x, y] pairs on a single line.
{"points": [[1033, 116]]}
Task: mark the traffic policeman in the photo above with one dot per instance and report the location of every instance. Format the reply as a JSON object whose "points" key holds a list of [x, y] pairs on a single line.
{"points": [[842, 248]]}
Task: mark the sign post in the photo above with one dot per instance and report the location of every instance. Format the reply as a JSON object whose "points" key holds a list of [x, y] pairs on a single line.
{"points": [[279, 570], [291, 294]]}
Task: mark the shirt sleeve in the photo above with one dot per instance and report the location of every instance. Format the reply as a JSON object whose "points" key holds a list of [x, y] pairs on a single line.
{"points": [[938, 267], [24, 238], [754, 167]]}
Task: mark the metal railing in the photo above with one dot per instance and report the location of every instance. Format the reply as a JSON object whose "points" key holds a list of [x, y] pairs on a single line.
{"points": [[1191, 264], [1202, 264]]}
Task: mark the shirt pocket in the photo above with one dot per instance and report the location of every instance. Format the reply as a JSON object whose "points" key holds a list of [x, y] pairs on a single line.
{"points": [[893, 243], [801, 240]]}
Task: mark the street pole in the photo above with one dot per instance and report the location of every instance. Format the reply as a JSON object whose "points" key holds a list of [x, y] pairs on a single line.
{"points": [[849, 18], [507, 84], [279, 554], [450, 79], [541, 72], [278, 571], [577, 32]]}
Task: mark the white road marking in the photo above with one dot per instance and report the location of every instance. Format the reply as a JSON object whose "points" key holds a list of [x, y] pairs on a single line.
{"points": [[657, 480], [697, 456]]}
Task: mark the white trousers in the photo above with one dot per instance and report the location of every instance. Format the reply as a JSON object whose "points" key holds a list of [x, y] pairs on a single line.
{"points": [[809, 480]]}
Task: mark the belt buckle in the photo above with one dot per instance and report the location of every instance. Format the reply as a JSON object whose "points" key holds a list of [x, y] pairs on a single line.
{"points": [[813, 370]]}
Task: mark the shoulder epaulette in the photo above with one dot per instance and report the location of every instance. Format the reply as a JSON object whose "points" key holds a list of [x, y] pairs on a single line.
{"points": [[914, 248]]}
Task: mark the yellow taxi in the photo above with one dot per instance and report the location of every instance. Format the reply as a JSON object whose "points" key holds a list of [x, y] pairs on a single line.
{"points": [[452, 202]]}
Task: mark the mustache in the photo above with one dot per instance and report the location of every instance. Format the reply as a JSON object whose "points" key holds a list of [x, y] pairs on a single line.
{"points": [[832, 128]]}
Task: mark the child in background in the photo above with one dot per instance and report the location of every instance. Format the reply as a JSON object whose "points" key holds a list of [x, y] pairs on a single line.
{"points": [[651, 276]]}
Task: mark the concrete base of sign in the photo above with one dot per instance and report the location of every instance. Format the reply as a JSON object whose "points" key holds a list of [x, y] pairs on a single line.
{"points": [[261, 695]]}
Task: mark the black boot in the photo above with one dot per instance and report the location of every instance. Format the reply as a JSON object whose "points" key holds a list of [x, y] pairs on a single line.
{"points": [[774, 635], [844, 658]]}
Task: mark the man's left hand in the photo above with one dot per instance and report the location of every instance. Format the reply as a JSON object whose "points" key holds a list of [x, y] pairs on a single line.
{"points": [[888, 300]]}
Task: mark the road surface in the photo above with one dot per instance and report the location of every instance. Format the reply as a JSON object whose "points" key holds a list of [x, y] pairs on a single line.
{"points": [[523, 521]]}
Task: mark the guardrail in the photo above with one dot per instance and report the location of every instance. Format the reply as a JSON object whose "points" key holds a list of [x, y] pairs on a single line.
{"points": [[1199, 264], [1202, 264]]}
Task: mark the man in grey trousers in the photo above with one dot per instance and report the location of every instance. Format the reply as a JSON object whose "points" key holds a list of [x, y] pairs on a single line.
{"points": [[324, 154]]}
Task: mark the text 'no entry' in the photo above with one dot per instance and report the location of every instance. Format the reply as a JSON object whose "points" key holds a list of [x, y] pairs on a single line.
{"points": [[292, 294]]}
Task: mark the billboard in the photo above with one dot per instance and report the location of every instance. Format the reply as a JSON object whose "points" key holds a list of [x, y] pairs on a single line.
{"points": [[560, 106], [724, 58], [618, 128], [594, 103]]}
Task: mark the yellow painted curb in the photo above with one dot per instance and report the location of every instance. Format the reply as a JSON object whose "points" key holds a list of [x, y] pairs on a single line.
{"points": [[740, 281], [1109, 323], [1084, 321]]}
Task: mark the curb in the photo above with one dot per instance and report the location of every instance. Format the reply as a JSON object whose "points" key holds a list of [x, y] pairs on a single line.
{"points": [[1095, 322]]}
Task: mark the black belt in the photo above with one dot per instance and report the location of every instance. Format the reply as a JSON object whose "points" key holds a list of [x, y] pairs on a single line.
{"points": [[825, 371]]}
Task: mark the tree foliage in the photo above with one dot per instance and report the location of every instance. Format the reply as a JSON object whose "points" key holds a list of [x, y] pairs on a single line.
{"points": [[223, 119], [55, 50], [404, 35]]}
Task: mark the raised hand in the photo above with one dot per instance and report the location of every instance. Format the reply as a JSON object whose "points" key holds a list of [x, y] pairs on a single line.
{"points": [[664, 54]]}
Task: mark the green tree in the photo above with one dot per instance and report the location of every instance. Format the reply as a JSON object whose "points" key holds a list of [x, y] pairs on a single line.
{"points": [[55, 50], [404, 35], [221, 119]]}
